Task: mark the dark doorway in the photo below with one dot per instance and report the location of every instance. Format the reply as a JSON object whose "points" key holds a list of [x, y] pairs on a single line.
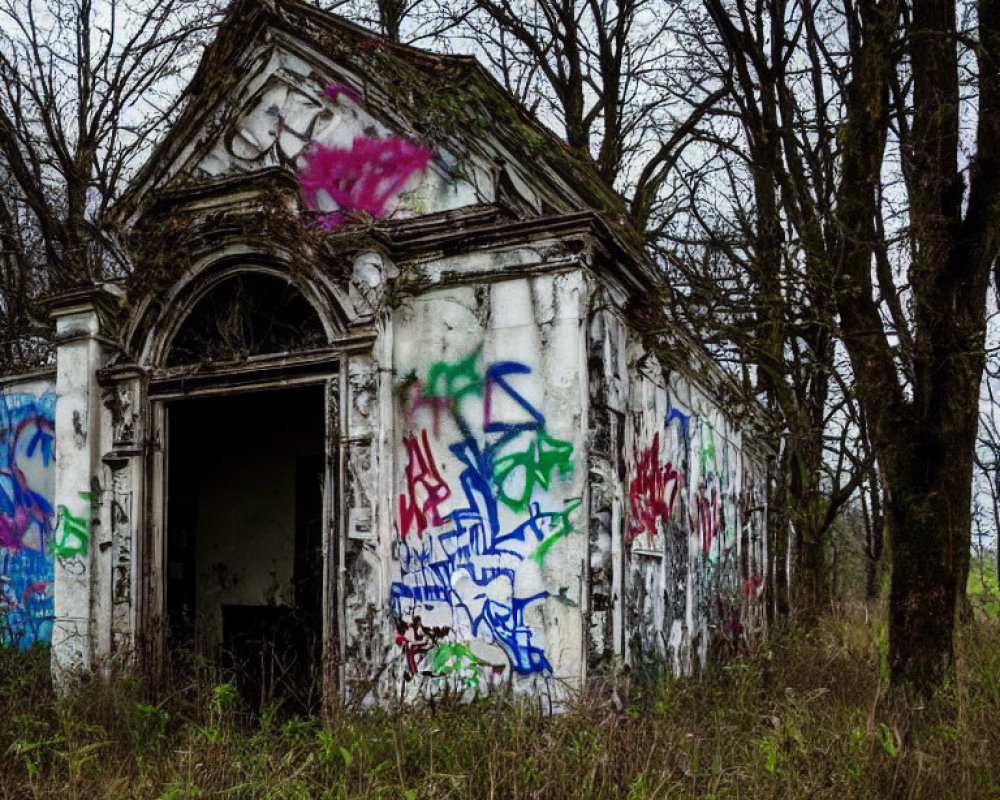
{"points": [[244, 538]]}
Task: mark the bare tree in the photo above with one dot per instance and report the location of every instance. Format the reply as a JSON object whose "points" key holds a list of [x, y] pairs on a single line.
{"points": [[601, 73], [871, 89], [748, 281], [988, 456], [83, 86]]}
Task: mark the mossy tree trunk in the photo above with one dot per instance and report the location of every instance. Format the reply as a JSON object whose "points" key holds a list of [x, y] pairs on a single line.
{"points": [[928, 524]]}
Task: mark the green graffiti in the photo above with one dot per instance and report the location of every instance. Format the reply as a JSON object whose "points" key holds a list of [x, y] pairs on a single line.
{"points": [[539, 460], [561, 526], [454, 380], [707, 451], [449, 658], [73, 533]]}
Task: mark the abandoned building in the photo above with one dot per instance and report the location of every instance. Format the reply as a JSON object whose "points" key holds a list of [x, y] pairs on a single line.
{"points": [[381, 404]]}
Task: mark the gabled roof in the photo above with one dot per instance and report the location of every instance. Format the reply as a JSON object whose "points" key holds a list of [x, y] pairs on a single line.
{"points": [[449, 102]]}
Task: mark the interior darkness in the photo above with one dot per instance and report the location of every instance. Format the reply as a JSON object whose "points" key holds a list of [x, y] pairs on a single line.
{"points": [[244, 538], [249, 314]]}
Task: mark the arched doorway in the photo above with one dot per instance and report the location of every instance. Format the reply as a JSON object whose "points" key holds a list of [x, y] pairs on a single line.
{"points": [[244, 486]]}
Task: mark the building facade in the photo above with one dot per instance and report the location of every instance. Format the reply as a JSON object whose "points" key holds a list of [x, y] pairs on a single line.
{"points": [[389, 398]]}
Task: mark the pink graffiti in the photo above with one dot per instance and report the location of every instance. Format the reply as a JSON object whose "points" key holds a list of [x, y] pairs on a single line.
{"points": [[709, 517], [335, 90], [361, 180], [422, 481], [419, 400], [648, 492]]}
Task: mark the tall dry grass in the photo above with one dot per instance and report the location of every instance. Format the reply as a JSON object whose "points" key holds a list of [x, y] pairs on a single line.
{"points": [[807, 716]]}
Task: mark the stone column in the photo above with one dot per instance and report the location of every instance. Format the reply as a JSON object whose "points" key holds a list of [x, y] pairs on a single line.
{"points": [[115, 605], [79, 355]]}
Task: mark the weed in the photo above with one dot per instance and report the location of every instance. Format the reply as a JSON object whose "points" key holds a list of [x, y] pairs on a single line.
{"points": [[807, 716]]}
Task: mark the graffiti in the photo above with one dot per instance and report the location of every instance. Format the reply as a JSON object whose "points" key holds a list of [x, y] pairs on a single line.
{"points": [[73, 532], [652, 492], [456, 659], [427, 655], [25, 617], [710, 516], [27, 436], [361, 180], [416, 641], [682, 418], [537, 463], [559, 526], [707, 450], [445, 387], [676, 605], [335, 91], [478, 571], [422, 477]]}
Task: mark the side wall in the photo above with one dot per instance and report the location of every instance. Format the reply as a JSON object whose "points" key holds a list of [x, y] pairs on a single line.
{"points": [[678, 513], [484, 568], [27, 516]]}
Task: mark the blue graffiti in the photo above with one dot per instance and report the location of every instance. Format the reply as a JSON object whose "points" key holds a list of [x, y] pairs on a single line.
{"points": [[27, 438], [683, 418], [471, 568]]}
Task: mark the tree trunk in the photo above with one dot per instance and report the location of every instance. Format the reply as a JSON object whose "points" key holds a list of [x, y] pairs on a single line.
{"points": [[813, 589], [812, 585], [928, 473], [874, 532], [923, 590], [873, 573]]}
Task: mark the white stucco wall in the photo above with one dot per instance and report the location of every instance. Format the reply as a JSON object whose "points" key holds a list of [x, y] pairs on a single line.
{"points": [[80, 439], [485, 567]]}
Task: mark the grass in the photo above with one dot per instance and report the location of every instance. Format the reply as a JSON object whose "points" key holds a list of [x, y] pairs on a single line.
{"points": [[807, 715], [982, 588]]}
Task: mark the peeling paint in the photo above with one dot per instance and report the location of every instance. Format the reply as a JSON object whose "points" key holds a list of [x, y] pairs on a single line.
{"points": [[692, 536]]}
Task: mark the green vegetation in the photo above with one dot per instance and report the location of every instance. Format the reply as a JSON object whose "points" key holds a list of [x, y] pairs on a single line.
{"points": [[808, 715], [982, 588]]}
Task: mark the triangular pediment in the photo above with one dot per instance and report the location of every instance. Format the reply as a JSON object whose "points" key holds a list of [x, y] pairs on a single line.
{"points": [[273, 127], [284, 80], [289, 108]]}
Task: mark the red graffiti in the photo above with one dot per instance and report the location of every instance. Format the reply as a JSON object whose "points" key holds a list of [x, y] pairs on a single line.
{"points": [[360, 180], [425, 489], [709, 517], [39, 587], [652, 492], [752, 586]]}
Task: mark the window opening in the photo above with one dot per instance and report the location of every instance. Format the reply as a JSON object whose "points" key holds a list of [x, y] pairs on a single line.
{"points": [[248, 314]]}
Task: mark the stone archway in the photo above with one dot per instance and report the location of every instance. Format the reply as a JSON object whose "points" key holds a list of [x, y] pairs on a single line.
{"points": [[243, 485]]}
